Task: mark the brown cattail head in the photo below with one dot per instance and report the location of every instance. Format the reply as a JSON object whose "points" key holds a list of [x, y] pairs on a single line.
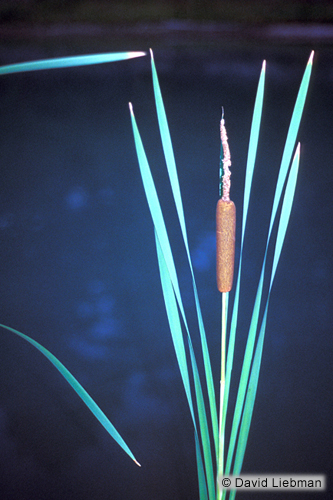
{"points": [[225, 244]]}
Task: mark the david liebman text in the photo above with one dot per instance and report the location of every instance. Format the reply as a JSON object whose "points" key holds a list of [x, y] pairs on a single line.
{"points": [[300, 482]]}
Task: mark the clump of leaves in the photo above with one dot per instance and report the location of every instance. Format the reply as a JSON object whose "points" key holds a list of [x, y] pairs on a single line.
{"points": [[210, 455]]}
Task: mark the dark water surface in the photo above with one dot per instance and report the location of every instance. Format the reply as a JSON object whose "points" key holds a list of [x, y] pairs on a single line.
{"points": [[79, 270]]}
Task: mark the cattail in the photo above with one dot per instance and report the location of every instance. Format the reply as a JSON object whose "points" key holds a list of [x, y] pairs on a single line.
{"points": [[225, 244], [225, 222]]}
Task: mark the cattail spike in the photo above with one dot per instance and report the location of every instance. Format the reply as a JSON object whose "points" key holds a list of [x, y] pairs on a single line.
{"points": [[225, 220], [225, 244]]}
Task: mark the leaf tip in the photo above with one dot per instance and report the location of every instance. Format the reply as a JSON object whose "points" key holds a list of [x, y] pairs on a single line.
{"points": [[131, 55], [137, 463], [311, 58], [130, 108], [298, 150], [151, 54], [264, 65]]}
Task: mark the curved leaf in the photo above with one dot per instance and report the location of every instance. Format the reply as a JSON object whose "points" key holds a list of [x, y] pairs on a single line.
{"points": [[88, 401]]}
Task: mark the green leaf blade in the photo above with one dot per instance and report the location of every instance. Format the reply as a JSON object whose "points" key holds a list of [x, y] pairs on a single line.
{"points": [[178, 342], [174, 181], [251, 159], [254, 377], [291, 137], [168, 150], [253, 145], [201, 474], [160, 228], [68, 62], [177, 337], [155, 209], [174, 324], [285, 213], [81, 392], [203, 424]]}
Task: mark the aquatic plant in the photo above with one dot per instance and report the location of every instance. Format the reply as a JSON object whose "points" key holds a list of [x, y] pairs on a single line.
{"points": [[213, 457], [210, 455]]}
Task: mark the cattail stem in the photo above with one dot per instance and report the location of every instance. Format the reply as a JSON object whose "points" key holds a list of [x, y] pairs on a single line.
{"points": [[225, 258], [220, 465]]}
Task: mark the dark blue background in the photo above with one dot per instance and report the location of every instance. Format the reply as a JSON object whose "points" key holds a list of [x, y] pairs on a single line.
{"points": [[78, 269]]}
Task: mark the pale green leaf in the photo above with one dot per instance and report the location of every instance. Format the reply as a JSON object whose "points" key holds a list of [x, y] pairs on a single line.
{"points": [[290, 142], [68, 62], [88, 401], [173, 176]]}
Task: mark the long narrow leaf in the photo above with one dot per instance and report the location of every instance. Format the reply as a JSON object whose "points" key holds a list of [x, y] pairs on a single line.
{"points": [[244, 374], [201, 473], [178, 342], [69, 62], [173, 176], [160, 228], [285, 211], [205, 439], [177, 336], [155, 209], [168, 150], [253, 145], [252, 152], [290, 141], [174, 324], [253, 382], [291, 137], [88, 401]]}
